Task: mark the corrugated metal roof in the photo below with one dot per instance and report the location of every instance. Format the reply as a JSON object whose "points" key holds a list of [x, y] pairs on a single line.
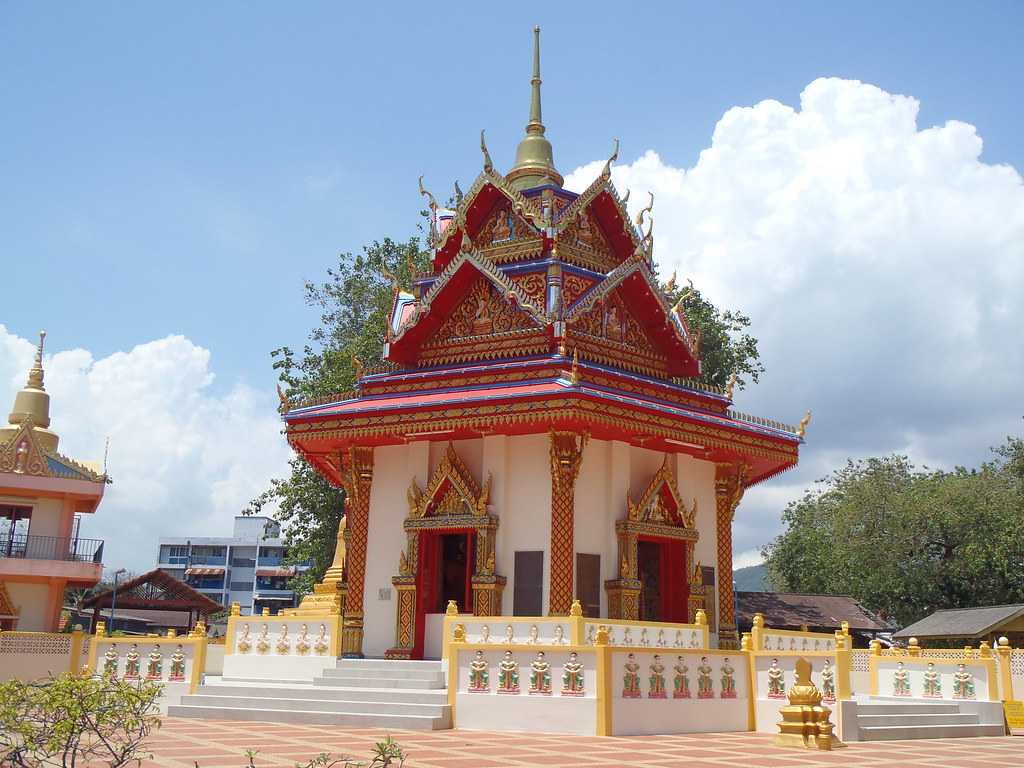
{"points": [[962, 622]]}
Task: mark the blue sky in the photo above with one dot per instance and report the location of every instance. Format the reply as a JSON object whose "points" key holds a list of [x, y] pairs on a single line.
{"points": [[172, 174], [182, 169]]}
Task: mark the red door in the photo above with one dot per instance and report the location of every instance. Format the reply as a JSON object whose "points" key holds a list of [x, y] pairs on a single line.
{"points": [[440, 580], [426, 586]]}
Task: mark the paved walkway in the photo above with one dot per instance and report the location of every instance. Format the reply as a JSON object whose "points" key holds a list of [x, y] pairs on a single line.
{"points": [[181, 743]]}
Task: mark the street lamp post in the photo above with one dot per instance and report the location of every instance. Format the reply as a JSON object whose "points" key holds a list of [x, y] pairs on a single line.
{"points": [[113, 600]]}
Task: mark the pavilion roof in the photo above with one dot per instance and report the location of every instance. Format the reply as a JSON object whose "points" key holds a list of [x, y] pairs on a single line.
{"points": [[156, 590], [783, 610], [963, 622]]}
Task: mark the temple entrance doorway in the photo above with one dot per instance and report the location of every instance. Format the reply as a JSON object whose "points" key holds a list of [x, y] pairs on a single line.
{"points": [[661, 568], [446, 560]]}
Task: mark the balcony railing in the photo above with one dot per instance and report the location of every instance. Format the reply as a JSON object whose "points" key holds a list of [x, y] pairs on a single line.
{"points": [[52, 548]]}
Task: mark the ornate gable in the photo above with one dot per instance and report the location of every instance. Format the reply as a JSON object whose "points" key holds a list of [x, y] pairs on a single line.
{"points": [[609, 333], [451, 491], [506, 235], [485, 324], [22, 454], [661, 502], [495, 219]]}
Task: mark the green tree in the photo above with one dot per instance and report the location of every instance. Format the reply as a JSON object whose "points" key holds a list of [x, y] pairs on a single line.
{"points": [[906, 542], [726, 345], [354, 302]]}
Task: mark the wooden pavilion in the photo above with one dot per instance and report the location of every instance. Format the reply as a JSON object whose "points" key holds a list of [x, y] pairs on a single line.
{"points": [[153, 591]]}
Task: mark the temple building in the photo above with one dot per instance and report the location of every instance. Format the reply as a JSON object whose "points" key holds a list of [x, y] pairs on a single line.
{"points": [[42, 495], [538, 432]]}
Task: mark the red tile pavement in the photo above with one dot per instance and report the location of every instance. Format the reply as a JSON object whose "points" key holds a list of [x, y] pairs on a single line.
{"points": [[181, 743]]}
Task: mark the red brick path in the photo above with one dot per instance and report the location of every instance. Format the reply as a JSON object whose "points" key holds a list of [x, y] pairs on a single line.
{"points": [[180, 742]]}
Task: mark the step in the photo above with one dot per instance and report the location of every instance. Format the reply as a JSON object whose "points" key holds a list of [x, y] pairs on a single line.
{"points": [[907, 709], [955, 718], [409, 673], [347, 681], [297, 704], [345, 719], [261, 680], [328, 693], [389, 664], [900, 732]]}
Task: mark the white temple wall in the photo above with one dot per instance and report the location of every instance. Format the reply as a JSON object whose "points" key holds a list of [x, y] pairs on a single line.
{"points": [[601, 500], [525, 511], [388, 510], [593, 523], [521, 498]]}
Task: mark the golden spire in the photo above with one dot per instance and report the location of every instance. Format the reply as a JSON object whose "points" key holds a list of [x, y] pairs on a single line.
{"points": [[35, 374], [535, 163], [32, 402]]}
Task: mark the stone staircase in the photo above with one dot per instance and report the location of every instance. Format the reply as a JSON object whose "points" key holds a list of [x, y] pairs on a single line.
{"points": [[363, 693], [885, 719]]}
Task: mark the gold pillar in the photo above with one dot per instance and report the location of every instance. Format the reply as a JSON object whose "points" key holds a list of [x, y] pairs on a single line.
{"points": [[357, 472], [729, 487], [566, 457]]}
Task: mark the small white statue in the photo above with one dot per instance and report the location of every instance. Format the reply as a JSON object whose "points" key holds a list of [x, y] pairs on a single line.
{"points": [[534, 632], [485, 634], [679, 639], [627, 636], [661, 638], [644, 642], [559, 635], [509, 634]]}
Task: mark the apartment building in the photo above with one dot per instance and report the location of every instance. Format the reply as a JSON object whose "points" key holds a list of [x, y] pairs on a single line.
{"points": [[245, 568]]}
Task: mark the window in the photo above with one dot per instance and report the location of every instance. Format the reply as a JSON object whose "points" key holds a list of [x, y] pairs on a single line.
{"points": [[528, 574], [271, 582], [588, 583], [209, 555], [205, 582], [243, 562], [241, 586], [173, 554]]}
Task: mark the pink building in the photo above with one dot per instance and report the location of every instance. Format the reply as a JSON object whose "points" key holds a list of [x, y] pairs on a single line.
{"points": [[42, 495]]}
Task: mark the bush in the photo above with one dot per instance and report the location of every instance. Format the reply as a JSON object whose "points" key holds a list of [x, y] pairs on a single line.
{"points": [[69, 720]]}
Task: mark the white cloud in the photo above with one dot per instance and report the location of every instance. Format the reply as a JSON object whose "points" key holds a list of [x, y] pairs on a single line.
{"points": [[184, 460], [882, 265], [747, 558]]}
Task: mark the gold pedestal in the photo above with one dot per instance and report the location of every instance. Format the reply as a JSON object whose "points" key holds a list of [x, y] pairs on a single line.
{"points": [[327, 599], [487, 591], [623, 598], [405, 620], [805, 723], [352, 636]]}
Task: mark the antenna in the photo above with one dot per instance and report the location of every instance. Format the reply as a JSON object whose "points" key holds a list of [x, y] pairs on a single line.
{"points": [[106, 453]]}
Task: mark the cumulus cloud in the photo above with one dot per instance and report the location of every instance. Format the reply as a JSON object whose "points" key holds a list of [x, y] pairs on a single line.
{"points": [[882, 265], [184, 460]]}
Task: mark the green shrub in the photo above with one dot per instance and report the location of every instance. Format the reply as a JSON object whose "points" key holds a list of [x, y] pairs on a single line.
{"points": [[68, 720]]}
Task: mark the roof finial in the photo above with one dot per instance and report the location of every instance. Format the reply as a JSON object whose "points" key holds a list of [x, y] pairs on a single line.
{"points": [[535, 117], [488, 165], [35, 374], [535, 164]]}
